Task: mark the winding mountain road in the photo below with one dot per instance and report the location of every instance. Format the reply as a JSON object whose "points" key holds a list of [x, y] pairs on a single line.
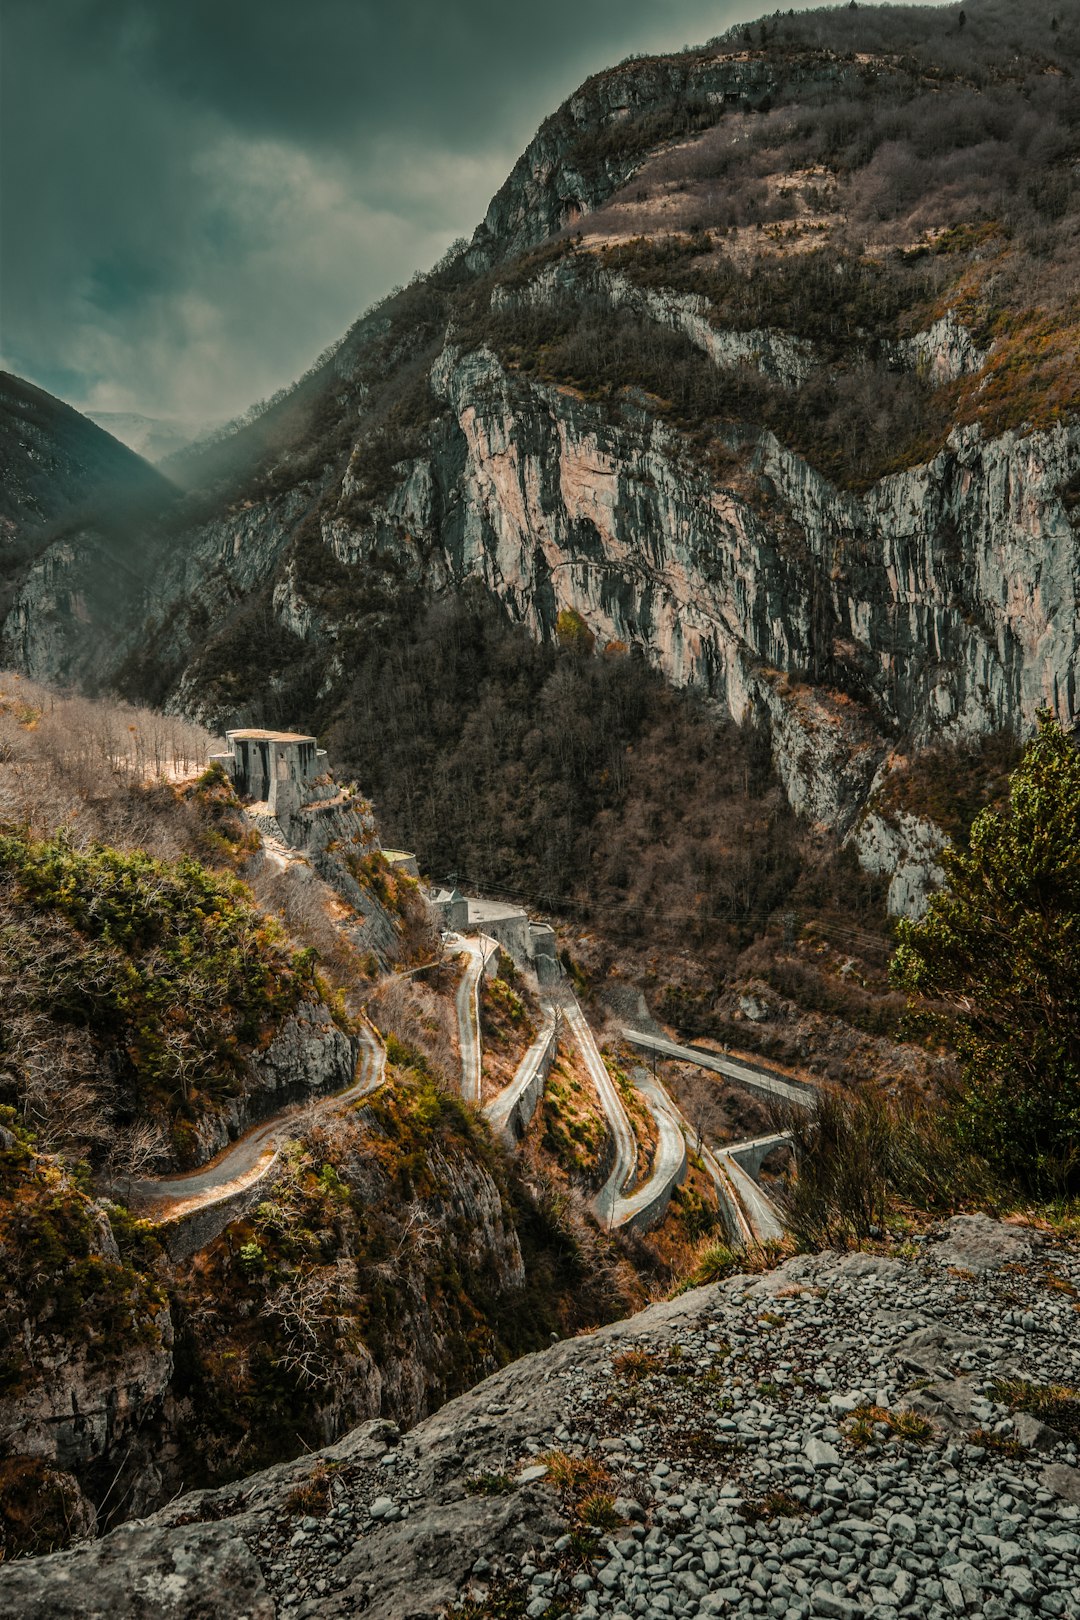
{"points": [[766, 1082], [648, 1203], [752, 1215], [499, 1112], [467, 1002], [609, 1201], [251, 1157], [756, 1207]]}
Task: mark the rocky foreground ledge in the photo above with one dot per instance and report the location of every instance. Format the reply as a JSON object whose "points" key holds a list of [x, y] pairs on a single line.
{"points": [[845, 1436]]}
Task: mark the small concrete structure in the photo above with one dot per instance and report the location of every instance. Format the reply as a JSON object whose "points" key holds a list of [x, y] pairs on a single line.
{"points": [[505, 923], [275, 768], [452, 907], [402, 860], [753, 1152]]}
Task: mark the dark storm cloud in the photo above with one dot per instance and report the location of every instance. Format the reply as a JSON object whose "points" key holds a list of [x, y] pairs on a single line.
{"points": [[198, 195]]}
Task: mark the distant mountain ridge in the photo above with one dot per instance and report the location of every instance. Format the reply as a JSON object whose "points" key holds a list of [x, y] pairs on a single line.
{"points": [[76, 507], [152, 437], [55, 460]]}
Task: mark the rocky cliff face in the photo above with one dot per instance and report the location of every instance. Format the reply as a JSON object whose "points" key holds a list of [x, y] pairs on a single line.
{"points": [[946, 599], [126, 1375]]}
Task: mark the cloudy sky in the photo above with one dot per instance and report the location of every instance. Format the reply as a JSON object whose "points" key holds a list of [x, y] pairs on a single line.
{"points": [[199, 195]]}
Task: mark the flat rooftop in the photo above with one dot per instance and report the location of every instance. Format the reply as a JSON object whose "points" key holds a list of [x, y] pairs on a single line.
{"points": [[493, 911], [270, 736]]}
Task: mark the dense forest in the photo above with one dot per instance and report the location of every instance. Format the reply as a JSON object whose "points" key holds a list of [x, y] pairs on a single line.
{"points": [[576, 779]]}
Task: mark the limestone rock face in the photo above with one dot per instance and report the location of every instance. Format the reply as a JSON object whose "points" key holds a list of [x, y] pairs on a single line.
{"points": [[309, 1056], [942, 603], [906, 849], [82, 1405], [559, 180], [201, 1572], [79, 1409]]}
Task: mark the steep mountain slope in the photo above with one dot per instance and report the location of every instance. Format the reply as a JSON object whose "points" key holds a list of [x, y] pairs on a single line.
{"points": [[56, 461], [168, 980], [75, 506], [762, 363]]}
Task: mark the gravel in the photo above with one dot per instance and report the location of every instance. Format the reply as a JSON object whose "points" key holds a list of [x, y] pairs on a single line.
{"points": [[732, 1478]]}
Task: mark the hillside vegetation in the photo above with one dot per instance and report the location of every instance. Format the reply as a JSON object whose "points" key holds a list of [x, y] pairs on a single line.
{"points": [[149, 957]]}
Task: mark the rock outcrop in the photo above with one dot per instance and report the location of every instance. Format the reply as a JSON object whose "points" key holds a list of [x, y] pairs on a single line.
{"points": [[845, 1435]]}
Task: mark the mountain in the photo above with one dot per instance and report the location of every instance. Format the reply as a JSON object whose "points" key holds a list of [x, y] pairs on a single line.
{"points": [[761, 366], [76, 509], [152, 437], [56, 461]]}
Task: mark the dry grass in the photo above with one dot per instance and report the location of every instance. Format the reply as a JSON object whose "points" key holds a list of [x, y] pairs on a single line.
{"points": [[312, 1495], [634, 1365], [859, 1157], [424, 1022], [1003, 1445], [1056, 1405], [908, 1426], [509, 1019], [571, 1121], [773, 1505]]}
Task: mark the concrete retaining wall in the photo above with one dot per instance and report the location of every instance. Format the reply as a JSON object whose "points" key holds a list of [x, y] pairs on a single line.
{"points": [[525, 1104], [512, 1111], [187, 1234], [512, 933]]}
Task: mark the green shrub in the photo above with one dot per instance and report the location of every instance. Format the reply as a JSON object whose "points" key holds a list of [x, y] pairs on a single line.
{"points": [[168, 965], [999, 947]]}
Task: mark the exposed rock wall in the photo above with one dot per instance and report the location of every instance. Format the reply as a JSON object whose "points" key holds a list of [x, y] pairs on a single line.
{"points": [[944, 601], [308, 1056], [80, 1402]]}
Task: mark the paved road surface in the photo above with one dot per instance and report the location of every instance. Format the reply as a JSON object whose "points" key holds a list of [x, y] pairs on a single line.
{"points": [[739, 1227], [611, 1194], [669, 1162], [758, 1209], [467, 1001], [252, 1155], [781, 1087]]}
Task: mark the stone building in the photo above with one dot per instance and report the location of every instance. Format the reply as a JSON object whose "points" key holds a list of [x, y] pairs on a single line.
{"points": [[507, 924], [275, 768]]}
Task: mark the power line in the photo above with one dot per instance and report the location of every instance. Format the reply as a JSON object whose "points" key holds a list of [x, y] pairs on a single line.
{"points": [[587, 908]]}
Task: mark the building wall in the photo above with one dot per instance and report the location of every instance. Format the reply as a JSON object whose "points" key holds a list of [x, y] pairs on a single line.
{"points": [[260, 762], [512, 933], [454, 912]]}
